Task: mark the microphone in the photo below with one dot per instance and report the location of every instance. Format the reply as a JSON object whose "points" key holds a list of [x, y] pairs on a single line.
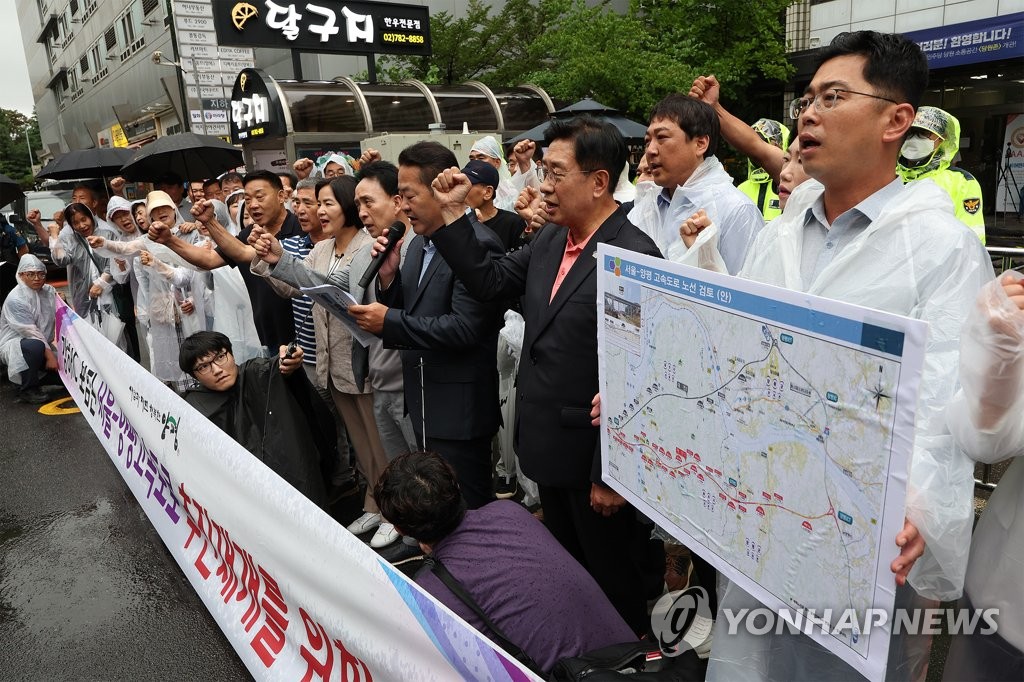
{"points": [[394, 233]]}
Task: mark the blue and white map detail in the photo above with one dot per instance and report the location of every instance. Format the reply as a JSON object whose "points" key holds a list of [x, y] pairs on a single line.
{"points": [[760, 424]]}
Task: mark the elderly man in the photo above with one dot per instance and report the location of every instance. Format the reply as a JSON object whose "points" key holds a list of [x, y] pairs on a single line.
{"points": [[264, 404], [26, 331], [555, 274], [508, 187], [264, 198]]}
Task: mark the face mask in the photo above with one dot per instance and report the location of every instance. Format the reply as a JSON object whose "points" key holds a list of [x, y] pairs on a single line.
{"points": [[917, 148]]}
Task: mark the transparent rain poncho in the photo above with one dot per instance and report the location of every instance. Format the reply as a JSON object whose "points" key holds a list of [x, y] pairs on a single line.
{"points": [[987, 420], [709, 188], [915, 260], [26, 314]]}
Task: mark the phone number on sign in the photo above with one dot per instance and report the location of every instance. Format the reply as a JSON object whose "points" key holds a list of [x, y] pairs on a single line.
{"points": [[401, 38]]}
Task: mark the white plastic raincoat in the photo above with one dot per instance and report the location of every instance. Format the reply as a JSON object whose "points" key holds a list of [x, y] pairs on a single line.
{"points": [[992, 379], [26, 314], [709, 188], [915, 260]]}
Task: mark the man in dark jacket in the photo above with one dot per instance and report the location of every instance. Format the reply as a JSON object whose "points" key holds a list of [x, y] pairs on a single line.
{"points": [[264, 404], [555, 274], [448, 338]]}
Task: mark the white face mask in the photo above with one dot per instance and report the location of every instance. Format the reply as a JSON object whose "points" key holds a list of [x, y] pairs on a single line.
{"points": [[917, 148]]}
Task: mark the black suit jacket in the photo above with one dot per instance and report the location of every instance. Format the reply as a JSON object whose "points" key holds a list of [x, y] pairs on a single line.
{"points": [[456, 338], [556, 444]]}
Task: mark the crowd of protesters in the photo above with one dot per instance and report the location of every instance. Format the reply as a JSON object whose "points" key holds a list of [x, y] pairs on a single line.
{"points": [[475, 342]]}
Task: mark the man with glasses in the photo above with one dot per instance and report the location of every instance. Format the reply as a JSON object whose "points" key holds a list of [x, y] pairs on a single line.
{"points": [[681, 141], [863, 237], [555, 274], [264, 404]]}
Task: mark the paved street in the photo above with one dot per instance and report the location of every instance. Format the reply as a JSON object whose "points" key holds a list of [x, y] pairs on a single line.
{"points": [[87, 589]]}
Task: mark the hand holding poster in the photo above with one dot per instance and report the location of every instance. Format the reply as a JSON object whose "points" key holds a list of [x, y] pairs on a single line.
{"points": [[769, 431], [296, 594]]}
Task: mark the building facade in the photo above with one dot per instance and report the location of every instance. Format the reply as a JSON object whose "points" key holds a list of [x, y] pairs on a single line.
{"points": [[97, 82], [975, 51]]}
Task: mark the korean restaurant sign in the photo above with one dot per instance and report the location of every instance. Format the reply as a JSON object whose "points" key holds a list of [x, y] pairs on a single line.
{"points": [[324, 26], [256, 110]]}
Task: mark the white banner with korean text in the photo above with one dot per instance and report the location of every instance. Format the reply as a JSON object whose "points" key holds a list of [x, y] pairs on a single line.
{"points": [[298, 597]]}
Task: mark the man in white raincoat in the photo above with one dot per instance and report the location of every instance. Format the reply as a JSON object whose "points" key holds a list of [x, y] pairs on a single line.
{"points": [[681, 140], [863, 237], [26, 330]]}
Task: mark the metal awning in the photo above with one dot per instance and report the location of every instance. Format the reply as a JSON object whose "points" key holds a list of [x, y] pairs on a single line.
{"points": [[50, 25], [60, 74]]}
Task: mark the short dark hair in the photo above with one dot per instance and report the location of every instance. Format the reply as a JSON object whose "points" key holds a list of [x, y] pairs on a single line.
{"points": [[293, 179], [231, 175], [212, 181], [384, 172], [597, 144], [343, 187], [694, 117], [895, 64], [169, 179], [266, 176], [419, 493], [430, 157], [88, 188], [81, 209], [198, 346]]}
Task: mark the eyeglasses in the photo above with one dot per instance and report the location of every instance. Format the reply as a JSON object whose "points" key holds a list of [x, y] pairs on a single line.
{"points": [[30, 274], [203, 367], [826, 101], [545, 173]]}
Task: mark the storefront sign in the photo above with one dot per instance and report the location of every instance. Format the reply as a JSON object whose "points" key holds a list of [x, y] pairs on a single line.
{"points": [[256, 110], [347, 28], [972, 42]]}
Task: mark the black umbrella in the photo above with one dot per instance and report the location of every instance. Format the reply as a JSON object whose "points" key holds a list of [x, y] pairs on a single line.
{"points": [[631, 130], [86, 163], [187, 155], [9, 190]]}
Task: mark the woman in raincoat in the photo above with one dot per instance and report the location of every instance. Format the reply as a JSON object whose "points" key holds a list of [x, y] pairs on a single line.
{"points": [[173, 308], [26, 330], [89, 278]]}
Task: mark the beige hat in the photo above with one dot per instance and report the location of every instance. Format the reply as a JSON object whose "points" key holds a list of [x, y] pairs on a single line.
{"points": [[156, 199]]}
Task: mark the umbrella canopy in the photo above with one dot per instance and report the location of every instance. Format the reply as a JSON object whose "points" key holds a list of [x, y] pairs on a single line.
{"points": [[584, 106], [631, 130], [86, 163], [9, 190], [187, 155]]}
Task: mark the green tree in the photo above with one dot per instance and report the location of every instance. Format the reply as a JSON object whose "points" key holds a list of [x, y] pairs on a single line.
{"points": [[632, 60], [14, 151]]}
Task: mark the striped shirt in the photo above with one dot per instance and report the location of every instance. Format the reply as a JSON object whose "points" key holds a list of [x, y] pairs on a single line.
{"points": [[300, 246]]}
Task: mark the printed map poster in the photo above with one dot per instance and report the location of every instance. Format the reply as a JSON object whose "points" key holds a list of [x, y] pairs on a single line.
{"points": [[770, 431]]}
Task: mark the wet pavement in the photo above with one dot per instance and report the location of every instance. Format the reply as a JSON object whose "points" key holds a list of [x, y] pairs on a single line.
{"points": [[87, 589]]}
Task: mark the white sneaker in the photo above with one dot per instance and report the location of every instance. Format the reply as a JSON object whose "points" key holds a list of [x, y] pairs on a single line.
{"points": [[385, 535], [364, 524]]}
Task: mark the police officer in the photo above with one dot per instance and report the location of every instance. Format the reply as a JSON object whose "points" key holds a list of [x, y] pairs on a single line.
{"points": [[930, 147], [12, 247], [759, 185]]}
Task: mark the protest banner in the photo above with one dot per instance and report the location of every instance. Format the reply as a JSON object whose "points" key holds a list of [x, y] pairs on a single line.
{"points": [[298, 597]]}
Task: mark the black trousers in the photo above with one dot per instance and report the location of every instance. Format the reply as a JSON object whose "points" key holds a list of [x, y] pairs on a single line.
{"points": [[616, 550], [471, 460], [34, 352]]}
